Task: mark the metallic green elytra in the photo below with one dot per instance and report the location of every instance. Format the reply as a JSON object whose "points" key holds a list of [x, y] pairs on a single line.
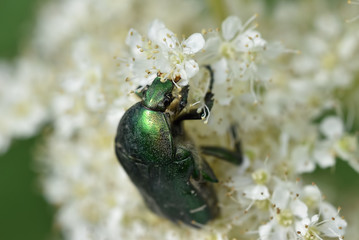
{"points": [[152, 147]]}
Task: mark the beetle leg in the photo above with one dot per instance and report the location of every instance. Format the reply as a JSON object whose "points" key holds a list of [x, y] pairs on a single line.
{"points": [[204, 171], [140, 91], [184, 96], [194, 114], [235, 157], [200, 169], [223, 153]]}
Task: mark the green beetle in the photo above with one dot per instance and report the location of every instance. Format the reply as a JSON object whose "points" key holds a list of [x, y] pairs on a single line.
{"points": [[152, 147]]}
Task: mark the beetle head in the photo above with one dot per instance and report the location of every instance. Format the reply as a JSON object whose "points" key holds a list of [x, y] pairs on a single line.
{"points": [[158, 95]]}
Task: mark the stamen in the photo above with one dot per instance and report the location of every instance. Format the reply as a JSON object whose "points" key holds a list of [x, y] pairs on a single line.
{"points": [[249, 21]]}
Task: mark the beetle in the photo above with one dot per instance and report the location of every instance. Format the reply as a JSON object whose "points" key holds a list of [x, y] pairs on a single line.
{"points": [[154, 150]]}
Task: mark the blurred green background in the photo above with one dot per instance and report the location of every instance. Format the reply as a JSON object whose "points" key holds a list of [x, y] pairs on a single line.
{"points": [[24, 213]]}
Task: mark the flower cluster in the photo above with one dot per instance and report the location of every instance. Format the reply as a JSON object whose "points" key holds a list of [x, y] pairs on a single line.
{"points": [[163, 53], [23, 100], [286, 209], [292, 112], [237, 54]]}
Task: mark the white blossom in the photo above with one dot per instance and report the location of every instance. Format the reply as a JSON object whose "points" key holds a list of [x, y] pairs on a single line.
{"points": [[240, 55], [292, 112], [163, 53]]}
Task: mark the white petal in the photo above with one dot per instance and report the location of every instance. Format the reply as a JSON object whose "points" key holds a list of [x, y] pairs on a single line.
{"points": [[311, 195], [184, 76], [250, 41], [161, 64], [273, 50], [301, 159], [154, 28], [315, 218], [223, 96], [193, 44], [220, 70], [300, 226], [347, 46], [324, 156], [230, 27], [280, 197], [166, 39], [133, 40], [332, 127], [159, 34], [323, 22], [328, 211], [347, 147], [265, 231], [211, 53], [191, 68], [335, 225], [256, 192], [299, 209], [181, 71], [182, 82]]}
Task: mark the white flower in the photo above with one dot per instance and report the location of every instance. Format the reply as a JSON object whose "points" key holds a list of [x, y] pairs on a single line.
{"points": [[163, 53], [311, 196], [332, 127], [74, 48], [325, 150], [287, 210], [306, 228], [323, 154], [347, 148], [302, 160], [258, 190], [237, 55], [333, 225], [325, 224], [336, 143], [23, 100]]}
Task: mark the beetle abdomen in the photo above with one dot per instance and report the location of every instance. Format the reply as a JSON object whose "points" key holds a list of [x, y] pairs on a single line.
{"points": [[145, 148]]}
